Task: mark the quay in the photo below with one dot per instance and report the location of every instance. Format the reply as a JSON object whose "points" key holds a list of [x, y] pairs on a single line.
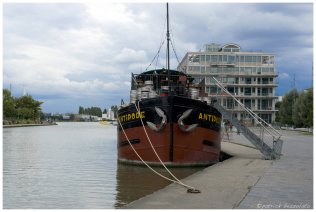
{"points": [[28, 125], [245, 181]]}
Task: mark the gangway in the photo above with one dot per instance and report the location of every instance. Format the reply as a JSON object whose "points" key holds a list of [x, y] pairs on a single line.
{"points": [[268, 142]]}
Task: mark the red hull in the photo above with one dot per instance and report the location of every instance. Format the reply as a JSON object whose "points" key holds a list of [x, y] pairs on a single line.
{"points": [[188, 147], [193, 138]]}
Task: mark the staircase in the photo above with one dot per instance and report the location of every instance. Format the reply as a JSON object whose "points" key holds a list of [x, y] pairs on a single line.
{"points": [[268, 152], [268, 142]]}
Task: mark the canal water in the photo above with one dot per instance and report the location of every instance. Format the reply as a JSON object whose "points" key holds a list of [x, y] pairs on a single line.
{"points": [[72, 166]]}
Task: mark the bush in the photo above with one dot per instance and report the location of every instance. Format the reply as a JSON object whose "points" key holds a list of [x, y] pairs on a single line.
{"points": [[6, 122]]}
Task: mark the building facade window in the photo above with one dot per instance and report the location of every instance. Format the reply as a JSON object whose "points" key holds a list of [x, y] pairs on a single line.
{"points": [[250, 76]]}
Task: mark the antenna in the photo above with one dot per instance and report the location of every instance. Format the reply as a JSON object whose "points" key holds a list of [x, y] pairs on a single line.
{"points": [[293, 82]]}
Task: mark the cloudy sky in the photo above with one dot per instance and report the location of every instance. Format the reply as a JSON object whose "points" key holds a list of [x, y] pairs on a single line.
{"points": [[73, 54]]}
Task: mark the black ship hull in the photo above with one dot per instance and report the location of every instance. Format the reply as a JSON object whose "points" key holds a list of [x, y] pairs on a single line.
{"points": [[183, 131]]}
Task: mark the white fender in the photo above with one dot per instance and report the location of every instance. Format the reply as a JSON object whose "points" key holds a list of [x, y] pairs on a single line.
{"points": [[181, 124], [163, 121]]}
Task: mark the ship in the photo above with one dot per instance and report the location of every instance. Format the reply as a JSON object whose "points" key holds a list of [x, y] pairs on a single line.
{"points": [[169, 119]]}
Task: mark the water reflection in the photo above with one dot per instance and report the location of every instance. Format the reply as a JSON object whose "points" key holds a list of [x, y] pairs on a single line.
{"points": [[72, 166], [134, 182]]}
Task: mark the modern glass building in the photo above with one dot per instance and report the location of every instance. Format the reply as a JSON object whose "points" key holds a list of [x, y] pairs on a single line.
{"points": [[249, 76]]}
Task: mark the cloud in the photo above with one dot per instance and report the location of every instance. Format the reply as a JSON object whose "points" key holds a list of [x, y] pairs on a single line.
{"points": [[127, 55], [87, 51], [284, 76]]}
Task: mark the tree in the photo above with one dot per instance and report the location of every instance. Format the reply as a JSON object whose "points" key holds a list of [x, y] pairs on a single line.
{"points": [[114, 108], [309, 106], [28, 108], [24, 107], [93, 111], [303, 109], [96, 111], [81, 110], [287, 107], [8, 104], [277, 115]]}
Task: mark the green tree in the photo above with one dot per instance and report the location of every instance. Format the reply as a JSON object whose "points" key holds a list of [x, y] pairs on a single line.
{"points": [[114, 108], [81, 110], [93, 111], [8, 104], [28, 108], [309, 106], [96, 111], [303, 109], [277, 115], [287, 107]]}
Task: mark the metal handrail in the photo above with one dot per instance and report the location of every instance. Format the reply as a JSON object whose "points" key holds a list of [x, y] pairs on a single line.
{"points": [[252, 114]]}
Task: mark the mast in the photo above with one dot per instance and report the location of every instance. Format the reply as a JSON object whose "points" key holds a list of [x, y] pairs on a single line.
{"points": [[168, 56], [170, 93]]}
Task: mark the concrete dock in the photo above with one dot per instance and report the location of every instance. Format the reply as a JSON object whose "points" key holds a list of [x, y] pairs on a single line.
{"points": [[245, 180]]}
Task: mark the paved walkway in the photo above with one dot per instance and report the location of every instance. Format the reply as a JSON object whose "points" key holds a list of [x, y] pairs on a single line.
{"points": [[245, 181], [288, 183], [223, 185]]}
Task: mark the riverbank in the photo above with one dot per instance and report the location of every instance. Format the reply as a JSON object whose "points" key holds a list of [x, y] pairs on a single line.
{"points": [[28, 125], [245, 181]]}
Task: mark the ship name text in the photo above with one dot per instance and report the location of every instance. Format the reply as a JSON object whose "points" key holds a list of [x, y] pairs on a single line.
{"points": [[209, 117], [131, 116]]}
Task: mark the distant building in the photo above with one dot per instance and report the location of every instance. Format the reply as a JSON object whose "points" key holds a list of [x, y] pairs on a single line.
{"points": [[109, 115], [66, 117], [250, 76], [84, 117]]}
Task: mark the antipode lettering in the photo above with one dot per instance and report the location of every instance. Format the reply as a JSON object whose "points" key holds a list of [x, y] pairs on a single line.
{"points": [[209, 117], [132, 116]]}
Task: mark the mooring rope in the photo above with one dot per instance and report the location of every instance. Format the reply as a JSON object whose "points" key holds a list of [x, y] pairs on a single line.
{"points": [[153, 148], [190, 189]]}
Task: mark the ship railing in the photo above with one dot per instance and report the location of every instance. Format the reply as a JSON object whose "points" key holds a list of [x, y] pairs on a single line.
{"points": [[160, 82]]}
